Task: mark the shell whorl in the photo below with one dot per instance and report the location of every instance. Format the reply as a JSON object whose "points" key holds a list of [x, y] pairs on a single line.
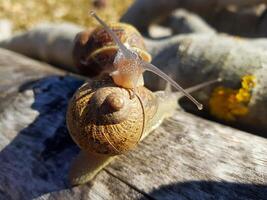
{"points": [[94, 50], [103, 118]]}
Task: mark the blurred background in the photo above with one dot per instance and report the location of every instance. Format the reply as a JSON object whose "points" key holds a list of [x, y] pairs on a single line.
{"points": [[24, 14]]}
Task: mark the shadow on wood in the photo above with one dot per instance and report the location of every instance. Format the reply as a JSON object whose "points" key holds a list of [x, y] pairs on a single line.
{"points": [[203, 190], [37, 159]]}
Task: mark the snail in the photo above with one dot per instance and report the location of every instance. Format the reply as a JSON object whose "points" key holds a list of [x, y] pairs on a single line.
{"points": [[122, 122], [94, 50], [128, 63], [109, 116]]}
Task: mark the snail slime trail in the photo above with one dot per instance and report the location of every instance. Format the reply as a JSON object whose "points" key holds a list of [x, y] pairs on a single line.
{"points": [[129, 66]]}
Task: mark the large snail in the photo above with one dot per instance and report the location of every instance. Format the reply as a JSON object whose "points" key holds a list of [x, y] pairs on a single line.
{"points": [[110, 115]]}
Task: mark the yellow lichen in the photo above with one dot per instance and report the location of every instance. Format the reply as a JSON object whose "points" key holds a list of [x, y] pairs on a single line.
{"points": [[228, 104], [243, 95], [248, 82]]}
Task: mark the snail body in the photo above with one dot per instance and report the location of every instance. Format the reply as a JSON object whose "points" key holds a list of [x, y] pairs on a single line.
{"points": [[103, 118], [105, 121]]}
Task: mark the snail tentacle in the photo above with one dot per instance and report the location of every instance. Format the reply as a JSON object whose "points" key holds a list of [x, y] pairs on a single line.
{"points": [[150, 67], [122, 47]]}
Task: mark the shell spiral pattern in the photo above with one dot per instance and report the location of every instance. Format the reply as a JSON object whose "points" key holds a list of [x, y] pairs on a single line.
{"points": [[103, 118]]}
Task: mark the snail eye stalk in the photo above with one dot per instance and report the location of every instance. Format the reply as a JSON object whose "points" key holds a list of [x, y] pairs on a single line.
{"points": [[126, 52]]}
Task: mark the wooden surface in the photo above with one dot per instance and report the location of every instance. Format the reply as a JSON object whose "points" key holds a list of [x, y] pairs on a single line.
{"points": [[186, 158]]}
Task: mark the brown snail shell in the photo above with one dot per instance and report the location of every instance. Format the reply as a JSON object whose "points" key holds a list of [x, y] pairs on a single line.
{"points": [[103, 118], [94, 50]]}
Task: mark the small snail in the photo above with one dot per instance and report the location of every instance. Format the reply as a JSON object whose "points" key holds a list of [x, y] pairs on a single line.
{"points": [[109, 116], [124, 63], [94, 50]]}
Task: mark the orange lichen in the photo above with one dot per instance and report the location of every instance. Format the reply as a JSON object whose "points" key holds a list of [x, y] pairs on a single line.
{"points": [[228, 104]]}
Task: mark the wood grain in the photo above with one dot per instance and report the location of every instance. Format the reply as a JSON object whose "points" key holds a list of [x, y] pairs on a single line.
{"points": [[104, 186], [187, 155]]}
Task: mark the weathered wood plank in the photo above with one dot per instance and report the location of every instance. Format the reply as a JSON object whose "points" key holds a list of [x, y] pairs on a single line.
{"points": [[47, 43], [35, 148], [186, 158], [191, 158], [31, 113], [103, 187], [16, 69]]}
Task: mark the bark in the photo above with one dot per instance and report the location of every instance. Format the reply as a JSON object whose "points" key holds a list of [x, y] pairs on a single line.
{"points": [[51, 43], [191, 59], [182, 22], [143, 12], [246, 23]]}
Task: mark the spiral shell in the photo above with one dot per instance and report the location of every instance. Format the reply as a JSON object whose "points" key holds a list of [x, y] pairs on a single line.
{"points": [[94, 50], [103, 118]]}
